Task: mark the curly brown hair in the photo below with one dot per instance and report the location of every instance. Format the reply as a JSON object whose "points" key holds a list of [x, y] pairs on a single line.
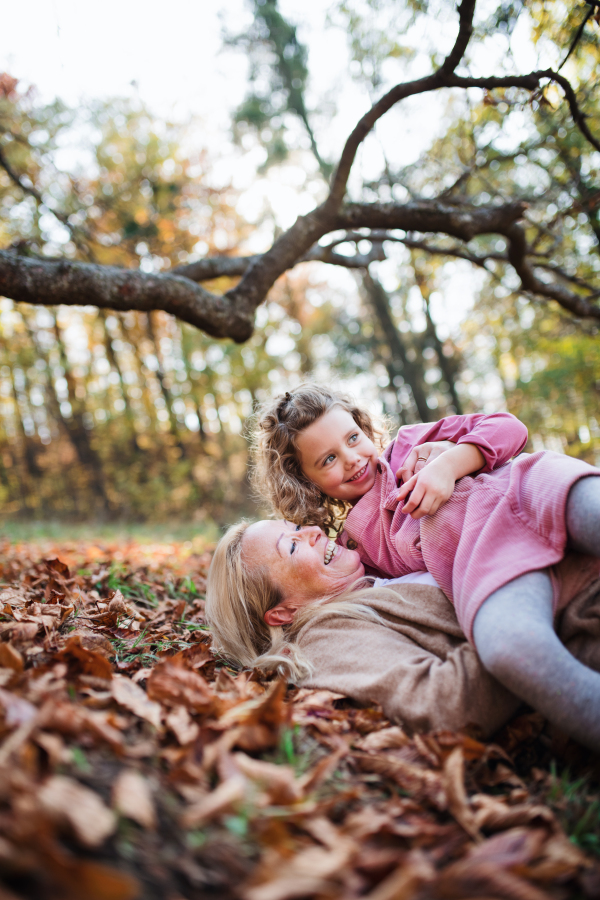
{"points": [[277, 475]]}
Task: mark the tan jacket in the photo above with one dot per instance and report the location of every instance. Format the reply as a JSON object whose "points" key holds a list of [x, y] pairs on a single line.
{"points": [[420, 667]]}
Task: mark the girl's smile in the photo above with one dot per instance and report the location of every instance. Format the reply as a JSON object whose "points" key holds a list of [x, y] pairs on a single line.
{"points": [[337, 456]]}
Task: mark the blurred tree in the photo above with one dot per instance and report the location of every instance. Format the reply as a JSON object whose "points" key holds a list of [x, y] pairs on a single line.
{"points": [[129, 413], [147, 411]]}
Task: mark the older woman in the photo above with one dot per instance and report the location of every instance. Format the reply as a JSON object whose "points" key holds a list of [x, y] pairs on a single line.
{"points": [[277, 598]]}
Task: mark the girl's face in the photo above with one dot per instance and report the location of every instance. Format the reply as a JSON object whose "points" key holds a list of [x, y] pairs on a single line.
{"points": [[337, 456]]}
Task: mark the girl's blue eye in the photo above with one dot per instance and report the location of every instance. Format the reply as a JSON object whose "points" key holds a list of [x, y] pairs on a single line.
{"points": [[298, 527], [354, 437], [293, 547], [326, 460]]}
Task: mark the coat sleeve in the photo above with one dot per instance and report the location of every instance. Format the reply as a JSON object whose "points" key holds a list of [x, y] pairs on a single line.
{"points": [[422, 691], [499, 437]]}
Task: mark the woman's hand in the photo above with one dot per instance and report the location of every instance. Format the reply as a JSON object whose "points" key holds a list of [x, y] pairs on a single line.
{"points": [[421, 456]]}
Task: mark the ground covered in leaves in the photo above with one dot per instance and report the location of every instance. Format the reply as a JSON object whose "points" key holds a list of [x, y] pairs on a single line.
{"points": [[135, 764]]}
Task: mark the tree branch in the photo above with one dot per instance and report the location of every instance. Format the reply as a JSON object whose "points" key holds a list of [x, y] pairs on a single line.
{"points": [[517, 256], [52, 282], [33, 192], [231, 315]]}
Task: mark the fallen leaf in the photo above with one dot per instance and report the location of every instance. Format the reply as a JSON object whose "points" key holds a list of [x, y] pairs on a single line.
{"points": [[17, 711], [182, 725], [67, 801], [227, 795], [83, 661], [132, 798], [10, 658], [134, 698], [458, 802], [177, 686]]}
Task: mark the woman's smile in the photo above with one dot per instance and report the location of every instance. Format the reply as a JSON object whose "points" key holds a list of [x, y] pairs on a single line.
{"points": [[303, 562]]}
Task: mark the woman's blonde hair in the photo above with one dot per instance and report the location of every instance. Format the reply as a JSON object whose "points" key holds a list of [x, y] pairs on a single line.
{"points": [[277, 475], [237, 598]]}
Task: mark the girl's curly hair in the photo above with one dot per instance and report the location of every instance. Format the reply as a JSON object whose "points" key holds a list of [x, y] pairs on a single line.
{"points": [[277, 476]]}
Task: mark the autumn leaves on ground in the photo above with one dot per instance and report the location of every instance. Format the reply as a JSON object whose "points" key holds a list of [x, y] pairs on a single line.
{"points": [[136, 764]]}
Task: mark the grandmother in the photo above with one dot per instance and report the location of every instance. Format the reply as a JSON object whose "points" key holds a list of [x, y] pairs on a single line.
{"points": [[285, 597]]}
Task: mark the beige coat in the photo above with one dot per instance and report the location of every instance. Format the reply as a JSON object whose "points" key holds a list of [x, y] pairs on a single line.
{"points": [[418, 664]]}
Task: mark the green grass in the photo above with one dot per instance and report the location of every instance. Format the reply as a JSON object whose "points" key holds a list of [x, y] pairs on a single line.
{"points": [[142, 533], [576, 802]]}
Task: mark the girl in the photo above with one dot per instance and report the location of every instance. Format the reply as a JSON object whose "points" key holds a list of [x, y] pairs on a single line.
{"points": [[488, 540]]}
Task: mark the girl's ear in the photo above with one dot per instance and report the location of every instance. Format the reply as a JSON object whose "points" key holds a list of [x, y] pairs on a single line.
{"points": [[279, 615]]}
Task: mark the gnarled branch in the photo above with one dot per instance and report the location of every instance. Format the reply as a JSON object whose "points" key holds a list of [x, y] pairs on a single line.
{"points": [[232, 314]]}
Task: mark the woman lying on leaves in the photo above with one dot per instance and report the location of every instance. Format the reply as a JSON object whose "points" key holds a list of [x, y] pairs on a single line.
{"points": [[283, 595]]}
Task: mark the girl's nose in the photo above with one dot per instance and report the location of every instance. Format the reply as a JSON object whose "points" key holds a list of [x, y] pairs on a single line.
{"points": [[351, 457]]}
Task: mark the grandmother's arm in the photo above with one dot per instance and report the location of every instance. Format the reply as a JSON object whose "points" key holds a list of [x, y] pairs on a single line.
{"points": [[417, 688]]}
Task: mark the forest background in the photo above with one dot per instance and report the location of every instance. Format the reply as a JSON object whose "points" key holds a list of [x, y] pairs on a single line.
{"points": [[140, 417]]}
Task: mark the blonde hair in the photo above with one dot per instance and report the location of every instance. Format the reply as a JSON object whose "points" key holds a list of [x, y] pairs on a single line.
{"points": [[237, 598], [277, 474]]}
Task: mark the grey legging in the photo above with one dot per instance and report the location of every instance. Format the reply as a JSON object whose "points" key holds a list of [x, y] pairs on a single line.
{"points": [[515, 638]]}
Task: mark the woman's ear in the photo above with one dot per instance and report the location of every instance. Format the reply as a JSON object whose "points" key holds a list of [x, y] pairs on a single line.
{"points": [[279, 615]]}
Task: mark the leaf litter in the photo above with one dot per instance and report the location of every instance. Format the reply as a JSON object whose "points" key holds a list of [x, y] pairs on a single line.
{"points": [[135, 763]]}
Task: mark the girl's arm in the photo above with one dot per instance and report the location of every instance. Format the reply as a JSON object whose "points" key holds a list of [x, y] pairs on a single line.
{"points": [[482, 443], [499, 437], [434, 484]]}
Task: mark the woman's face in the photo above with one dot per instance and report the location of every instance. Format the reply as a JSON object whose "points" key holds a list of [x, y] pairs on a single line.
{"points": [[303, 563]]}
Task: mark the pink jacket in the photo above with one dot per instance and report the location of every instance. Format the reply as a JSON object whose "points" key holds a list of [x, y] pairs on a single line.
{"points": [[507, 520]]}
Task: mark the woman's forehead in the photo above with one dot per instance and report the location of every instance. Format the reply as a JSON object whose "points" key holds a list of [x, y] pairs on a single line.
{"points": [[265, 531]]}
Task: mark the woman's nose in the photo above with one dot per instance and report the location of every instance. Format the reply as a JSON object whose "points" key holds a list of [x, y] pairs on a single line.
{"points": [[312, 533]]}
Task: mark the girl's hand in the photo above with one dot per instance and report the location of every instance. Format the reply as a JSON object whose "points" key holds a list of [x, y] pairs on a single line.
{"points": [[434, 484], [420, 456], [428, 489]]}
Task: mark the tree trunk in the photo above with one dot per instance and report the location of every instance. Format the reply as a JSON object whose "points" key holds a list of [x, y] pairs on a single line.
{"points": [[402, 364]]}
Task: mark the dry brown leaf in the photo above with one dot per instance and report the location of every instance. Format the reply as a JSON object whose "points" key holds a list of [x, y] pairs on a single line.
{"points": [[54, 747], [17, 710], [417, 780], [407, 880], [386, 739], [317, 775], [182, 725], [177, 686], [311, 871], [226, 796], [277, 783], [514, 847], [468, 878], [269, 710], [10, 658], [13, 596], [458, 802], [87, 880], [492, 814], [133, 697], [83, 661], [69, 802], [23, 632], [132, 798]]}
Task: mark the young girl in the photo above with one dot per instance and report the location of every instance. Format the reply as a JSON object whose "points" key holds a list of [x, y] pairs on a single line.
{"points": [[488, 540]]}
